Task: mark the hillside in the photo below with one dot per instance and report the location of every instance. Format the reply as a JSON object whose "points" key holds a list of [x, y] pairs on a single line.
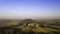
{"points": [[29, 27]]}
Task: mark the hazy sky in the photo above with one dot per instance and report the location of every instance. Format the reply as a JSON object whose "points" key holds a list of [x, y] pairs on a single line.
{"points": [[17, 9]]}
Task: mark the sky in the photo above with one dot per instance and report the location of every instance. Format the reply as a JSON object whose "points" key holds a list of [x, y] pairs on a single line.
{"points": [[35, 9]]}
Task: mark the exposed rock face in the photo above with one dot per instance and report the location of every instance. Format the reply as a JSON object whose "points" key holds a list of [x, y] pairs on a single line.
{"points": [[29, 23], [33, 25]]}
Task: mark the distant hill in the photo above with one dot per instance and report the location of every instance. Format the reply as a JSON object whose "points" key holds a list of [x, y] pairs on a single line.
{"points": [[9, 23]]}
